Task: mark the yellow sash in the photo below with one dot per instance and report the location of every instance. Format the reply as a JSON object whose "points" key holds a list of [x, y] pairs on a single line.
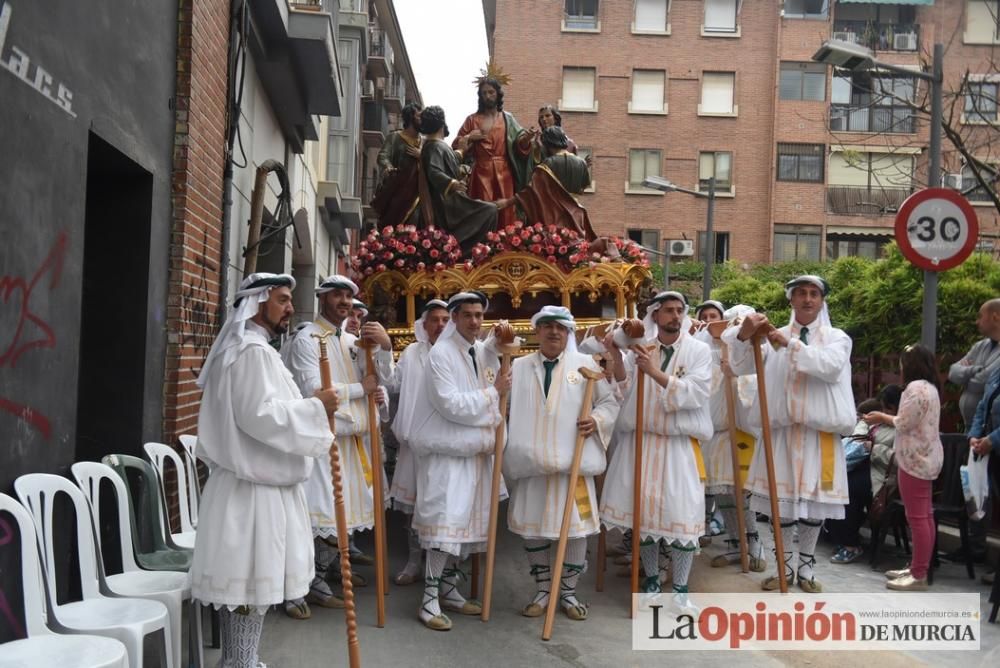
{"points": [[582, 497], [698, 459], [826, 459], [366, 468], [744, 452]]}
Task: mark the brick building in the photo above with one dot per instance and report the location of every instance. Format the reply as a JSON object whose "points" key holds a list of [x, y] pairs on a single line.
{"points": [[809, 162]]}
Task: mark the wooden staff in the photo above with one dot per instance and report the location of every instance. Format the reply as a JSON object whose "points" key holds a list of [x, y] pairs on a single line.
{"points": [[378, 501], [504, 335], [741, 523], [353, 647], [635, 329], [772, 488], [574, 473]]}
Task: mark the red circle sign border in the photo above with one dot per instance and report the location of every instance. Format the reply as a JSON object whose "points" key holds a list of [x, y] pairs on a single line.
{"points": [[902, 239]]}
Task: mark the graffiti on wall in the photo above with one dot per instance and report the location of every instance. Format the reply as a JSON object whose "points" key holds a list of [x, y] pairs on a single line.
{"points": [[199, 316], [22, 330]]}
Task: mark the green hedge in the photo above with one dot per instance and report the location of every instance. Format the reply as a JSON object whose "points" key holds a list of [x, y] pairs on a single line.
{"points": [[877, 302]]}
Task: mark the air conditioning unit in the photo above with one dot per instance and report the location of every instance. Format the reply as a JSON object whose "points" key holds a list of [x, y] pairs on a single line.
{"points": [[953, 181], [682, 247], [906, 41], [845, 37]]}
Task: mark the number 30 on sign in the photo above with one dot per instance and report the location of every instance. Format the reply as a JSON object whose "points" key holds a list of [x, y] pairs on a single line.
{"points": [[936, 229]]}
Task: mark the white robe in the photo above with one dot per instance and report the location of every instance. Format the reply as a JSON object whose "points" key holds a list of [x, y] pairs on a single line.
{"points": [[453, 436], [541, 441], [717, 452], [675, 418], [348, 368], [260, 437], [409, 379], [808, 394]]}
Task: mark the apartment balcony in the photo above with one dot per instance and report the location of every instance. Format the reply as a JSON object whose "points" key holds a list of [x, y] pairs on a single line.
{"points": [[872, 118], [865, 201], [375, 124], [879, 36], [394, 95], [368, 186], [379, 54]]}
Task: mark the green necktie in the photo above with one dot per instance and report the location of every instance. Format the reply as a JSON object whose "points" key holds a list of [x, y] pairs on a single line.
{"points": [[666, 352], [549, 365], [804, 335], [472, 354], [336, 332]]}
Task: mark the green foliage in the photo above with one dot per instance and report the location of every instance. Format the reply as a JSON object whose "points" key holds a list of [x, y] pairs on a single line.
{"points": [[877, 302]]}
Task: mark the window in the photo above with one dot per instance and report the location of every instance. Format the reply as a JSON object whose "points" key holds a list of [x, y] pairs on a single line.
{"points": [[796, 242], [646, 238], [720, 16], [981, 102], [853, 245], [585, 153], [866, 102], [872, 184], [581, 15], [721, 246], [970, 186], [651, 16], [647, 92], [806, 9], [982, 22], [717, 94], [801, 162], [803, 81], [643, 162], [578, 89], [718, 164], [343, 129]]}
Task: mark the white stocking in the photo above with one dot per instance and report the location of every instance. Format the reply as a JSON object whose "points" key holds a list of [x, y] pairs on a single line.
{"points": [[436, 561], [240, 637]]}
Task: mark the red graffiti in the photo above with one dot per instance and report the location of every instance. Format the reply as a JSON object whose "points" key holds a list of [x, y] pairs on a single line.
{"points": [[16, 293]]}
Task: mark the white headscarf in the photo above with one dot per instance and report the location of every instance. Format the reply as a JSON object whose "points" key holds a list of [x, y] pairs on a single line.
{"points": [[710, 303], [738, 311], [454, 304], [359, 305], [337, 281], [649, 322], [254, 290], [419, 333], [561, 315], [824, 287]]}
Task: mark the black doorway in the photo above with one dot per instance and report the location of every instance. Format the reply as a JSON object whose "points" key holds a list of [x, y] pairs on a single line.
{"points": [[113, 304]]}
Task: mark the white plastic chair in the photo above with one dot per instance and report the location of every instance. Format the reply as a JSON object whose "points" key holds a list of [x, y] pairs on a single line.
{"points": [[158, 454], [171, 588], [189, 442], [42, 647], [126, 619]]}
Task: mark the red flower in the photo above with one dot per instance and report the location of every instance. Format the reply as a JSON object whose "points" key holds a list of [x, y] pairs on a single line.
{"points": [[536, 248], [411, 249], [563, 250], [387, 231], [516, 241], [556, 239], [550, 249], [421, 266], [434, 252], [551, 258], [538, 227], [525, 234], [518, 224], [426, 243], [399, 263], [439, 266]]}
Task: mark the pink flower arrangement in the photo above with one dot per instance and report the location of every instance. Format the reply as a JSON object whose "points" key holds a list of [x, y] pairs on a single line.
{"points": [[405, 248]]}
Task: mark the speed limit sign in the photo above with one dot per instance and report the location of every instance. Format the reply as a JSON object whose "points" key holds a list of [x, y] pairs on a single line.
{"points": [[936, 229]]}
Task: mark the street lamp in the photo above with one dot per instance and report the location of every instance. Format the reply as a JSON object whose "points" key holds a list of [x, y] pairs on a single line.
{"points": [[664, 185], [848, 55]]}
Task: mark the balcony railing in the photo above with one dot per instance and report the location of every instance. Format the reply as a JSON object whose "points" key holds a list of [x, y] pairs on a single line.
{"points": [[879, 36], [368, 187], [374, 118], [380, 47], [580, 21], [863, 201], [871, 118], [353, 6]]}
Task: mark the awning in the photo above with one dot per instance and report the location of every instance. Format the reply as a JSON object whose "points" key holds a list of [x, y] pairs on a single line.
{"points": [[842, 230], [888, 2]]}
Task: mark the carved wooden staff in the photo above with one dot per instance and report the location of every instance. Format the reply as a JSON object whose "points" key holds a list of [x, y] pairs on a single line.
{"points": [[504, 335], [574, 474], [772, 488], [340, 515], [378, 501], [716, 329]]}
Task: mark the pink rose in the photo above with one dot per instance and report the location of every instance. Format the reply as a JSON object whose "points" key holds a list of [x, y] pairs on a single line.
{"points": [[387, 231], [437, 234], [467, 266], [552, 228], [550, 249], [525, 234], [399, 263], [434, 253], [421, 266], [518, 224], [563, 250], [368, 271], [516, 241], [538, 227], [537, 238], [556, 239], [438, 266], [551, 258], [411, 249], [535, 248], [426, 243]]}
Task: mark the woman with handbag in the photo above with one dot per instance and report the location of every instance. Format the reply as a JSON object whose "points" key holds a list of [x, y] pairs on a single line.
{"points": [[919, 454]]}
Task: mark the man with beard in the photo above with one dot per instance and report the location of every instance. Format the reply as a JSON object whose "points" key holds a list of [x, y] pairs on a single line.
{"points": [[353, 384], [260, 437], [496, 146], [398, 197], [408, 379], [810, 402], [467, 219], [677, 372]]}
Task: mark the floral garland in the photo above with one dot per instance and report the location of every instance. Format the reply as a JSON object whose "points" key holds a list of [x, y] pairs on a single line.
{"points": [[550, 242], [407, 248]]}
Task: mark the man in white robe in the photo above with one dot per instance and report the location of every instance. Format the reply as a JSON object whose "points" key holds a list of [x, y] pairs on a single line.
{"points": [[546, 400], [707, 312], [808, 380], [357, 318], [453, 436], [259, 437], [719, 481], [676, 418], [353, 384], [408, 380]]}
